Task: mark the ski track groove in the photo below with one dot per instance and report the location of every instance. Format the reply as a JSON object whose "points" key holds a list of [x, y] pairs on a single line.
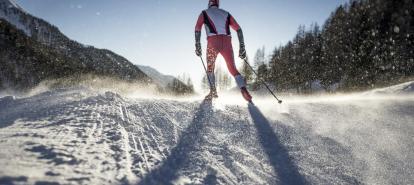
{"points": [[157, 107], [128, 162], [138, 153], [158, 146], [138, 128], [150, 128]]}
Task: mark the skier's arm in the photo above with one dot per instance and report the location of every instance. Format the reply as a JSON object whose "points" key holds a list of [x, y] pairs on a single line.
{"points": [[233, 23], [198, 27], [235, 26], [200, 22]]}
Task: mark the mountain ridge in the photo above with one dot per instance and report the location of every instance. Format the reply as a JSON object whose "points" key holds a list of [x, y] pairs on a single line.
{"points": [[99, 61], [157, 76]]}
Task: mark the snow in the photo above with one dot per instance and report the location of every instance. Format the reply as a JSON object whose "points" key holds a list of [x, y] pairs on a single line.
{"points": [[405, 88], [84, 136]]}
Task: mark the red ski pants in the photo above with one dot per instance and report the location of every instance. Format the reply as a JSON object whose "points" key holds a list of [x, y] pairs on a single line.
{"points": [[220, 44]]}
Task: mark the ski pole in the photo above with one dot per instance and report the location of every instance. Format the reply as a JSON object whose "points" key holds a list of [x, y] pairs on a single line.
{"points": [[205, 69], [262, 81]]}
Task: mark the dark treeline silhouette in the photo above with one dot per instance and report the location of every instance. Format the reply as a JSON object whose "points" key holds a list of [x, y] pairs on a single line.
{"points": [[182, 85], [364, 44]]}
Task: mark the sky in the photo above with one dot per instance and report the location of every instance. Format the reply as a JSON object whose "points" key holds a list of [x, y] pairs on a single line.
{"points": [[160, 33]]}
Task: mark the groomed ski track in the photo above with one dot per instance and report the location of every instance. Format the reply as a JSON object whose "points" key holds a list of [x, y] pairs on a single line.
{"points": [[78, 136]]}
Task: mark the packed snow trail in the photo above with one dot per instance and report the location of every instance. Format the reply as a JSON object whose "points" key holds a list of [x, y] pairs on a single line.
{"points": [[80, 136]]}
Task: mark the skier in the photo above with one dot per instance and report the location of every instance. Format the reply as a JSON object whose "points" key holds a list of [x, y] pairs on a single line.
{"points": [[217, 24]]}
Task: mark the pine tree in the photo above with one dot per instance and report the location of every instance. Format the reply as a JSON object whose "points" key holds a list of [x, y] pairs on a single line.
{"points": [[259, 57], [260, 67], [247, 72], [190, 84], [362, 45]]}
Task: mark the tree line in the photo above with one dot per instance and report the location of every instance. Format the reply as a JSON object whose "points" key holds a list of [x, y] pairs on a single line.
{"points": [[181, 85], [364, 44], [223, 79]]}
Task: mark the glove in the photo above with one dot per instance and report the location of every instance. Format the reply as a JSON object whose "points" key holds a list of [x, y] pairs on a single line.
{"points": [[198, 49], [242, 51]]}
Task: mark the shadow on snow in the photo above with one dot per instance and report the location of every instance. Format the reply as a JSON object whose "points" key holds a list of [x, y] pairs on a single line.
{"points": [[278, 155], [168, 171]]}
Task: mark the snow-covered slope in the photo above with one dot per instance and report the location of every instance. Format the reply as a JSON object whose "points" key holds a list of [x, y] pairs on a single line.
{"points": [[80, 136], [405, 88], [159, 78]]}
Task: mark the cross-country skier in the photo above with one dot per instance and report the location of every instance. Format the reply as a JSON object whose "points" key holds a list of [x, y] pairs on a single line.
{"points": [[217, 24]]}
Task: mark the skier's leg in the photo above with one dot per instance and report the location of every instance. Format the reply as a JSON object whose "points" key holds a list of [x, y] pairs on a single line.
{"points": [[228, 56], [211, 63], [212, 53]]}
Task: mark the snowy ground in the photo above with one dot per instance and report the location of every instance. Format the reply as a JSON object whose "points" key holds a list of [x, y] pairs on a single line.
{"points": [[79, 136]]}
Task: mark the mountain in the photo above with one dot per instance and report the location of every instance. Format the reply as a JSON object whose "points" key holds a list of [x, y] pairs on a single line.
{"points": [[167, 83], [14, 14], [159, 78], [26, 62], [78, 136], [38, 41]]}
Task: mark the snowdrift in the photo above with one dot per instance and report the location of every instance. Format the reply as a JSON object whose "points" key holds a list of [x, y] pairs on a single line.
{"points": [[405, 88], [85, 136]]}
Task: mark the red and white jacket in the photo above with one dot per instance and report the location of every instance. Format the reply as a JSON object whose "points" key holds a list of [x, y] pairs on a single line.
{"points": [[217, 21]]}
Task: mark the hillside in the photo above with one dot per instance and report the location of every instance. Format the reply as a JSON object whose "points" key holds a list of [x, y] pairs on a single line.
{"points": [[161, 79], [38, 43], [166, 83], [80, 136]]}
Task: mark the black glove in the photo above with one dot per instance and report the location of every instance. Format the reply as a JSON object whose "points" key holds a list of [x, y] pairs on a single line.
{"points": [[242, 51], [198, 49], [198, 44]]}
